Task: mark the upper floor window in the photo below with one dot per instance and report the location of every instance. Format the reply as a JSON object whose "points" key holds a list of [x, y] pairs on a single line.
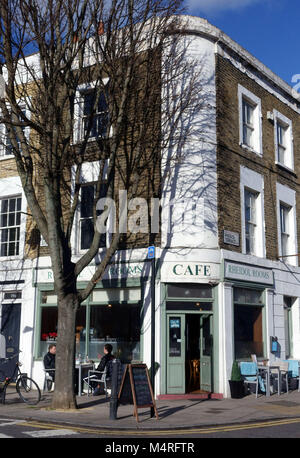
{"points": [[252, 212], [91, 113], [250, 220], [283, 140], [84, 227], [86, 219], [248, 124], [95, 115], [286, 223], [284, 228], [10, 221], [6, 146], [250, 120]]}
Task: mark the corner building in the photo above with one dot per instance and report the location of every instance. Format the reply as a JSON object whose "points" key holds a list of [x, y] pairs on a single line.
{"points": [[227, 276]]}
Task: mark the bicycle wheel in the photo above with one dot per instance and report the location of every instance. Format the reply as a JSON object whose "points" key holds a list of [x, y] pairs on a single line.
{"points": [[28, 390]]}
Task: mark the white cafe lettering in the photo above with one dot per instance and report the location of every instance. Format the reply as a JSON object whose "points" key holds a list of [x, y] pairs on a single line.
{"points": [[197, 270]]}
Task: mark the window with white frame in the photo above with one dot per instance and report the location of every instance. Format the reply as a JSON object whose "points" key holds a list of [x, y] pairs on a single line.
{"points": [[283, 134], [94, 126], [286, 223], [252, 212], [250, 220], [248, 123], [83, 230], [86, 219], [284, 228], [250, 120], [6, 147], [10, 222], [91, 113]]}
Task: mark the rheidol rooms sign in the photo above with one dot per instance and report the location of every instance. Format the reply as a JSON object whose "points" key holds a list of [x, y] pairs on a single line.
{"points": [[248, 273]]}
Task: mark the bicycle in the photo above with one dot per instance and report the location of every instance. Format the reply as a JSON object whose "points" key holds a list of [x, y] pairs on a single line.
{"points": [[26, 387]]}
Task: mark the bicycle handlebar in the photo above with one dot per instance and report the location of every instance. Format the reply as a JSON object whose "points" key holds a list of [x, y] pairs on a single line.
{"points": [[12, 357]]}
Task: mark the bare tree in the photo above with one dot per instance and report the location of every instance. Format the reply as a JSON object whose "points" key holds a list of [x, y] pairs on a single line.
{"points": [[131, 56]]}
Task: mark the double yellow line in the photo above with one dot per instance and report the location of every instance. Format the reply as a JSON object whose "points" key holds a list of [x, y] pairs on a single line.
{"points": [[163, 432]]}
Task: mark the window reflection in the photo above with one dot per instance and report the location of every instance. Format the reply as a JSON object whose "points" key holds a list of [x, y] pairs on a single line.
{"points": [[118, 324]]}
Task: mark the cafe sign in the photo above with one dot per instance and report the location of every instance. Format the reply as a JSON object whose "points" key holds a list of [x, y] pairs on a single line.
{"points": [[189, 272], [248, 273]]}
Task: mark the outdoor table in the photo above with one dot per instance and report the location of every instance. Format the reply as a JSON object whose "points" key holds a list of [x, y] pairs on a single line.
{"points": [[267, 370], [83, 369]]}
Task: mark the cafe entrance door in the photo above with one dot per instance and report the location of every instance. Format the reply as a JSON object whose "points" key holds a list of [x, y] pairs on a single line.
{"points": [[189, 353]]}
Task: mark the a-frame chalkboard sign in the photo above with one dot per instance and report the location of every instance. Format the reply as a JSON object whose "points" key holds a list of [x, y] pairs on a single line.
{"points": [[136, 388]]}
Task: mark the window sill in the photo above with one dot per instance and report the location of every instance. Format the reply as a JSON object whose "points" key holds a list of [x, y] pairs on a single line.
{"points": [[249, 148], [79, 252], [80, 140], [286, 260], [254, 255], [6, 156], [286, 168], [11, 258]]}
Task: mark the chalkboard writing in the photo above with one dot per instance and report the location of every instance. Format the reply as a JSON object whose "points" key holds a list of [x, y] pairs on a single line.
{"points": [[141, 386], [136, 388], [121, 370], [125, 393]]}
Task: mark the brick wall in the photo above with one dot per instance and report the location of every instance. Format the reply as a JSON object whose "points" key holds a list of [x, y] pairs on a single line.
{"points": [[230, 155]]}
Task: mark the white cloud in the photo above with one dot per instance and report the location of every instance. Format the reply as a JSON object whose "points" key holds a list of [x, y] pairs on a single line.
{"points": [[213, 6]]}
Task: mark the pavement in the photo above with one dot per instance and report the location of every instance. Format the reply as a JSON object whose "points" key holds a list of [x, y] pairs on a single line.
{"points": [[183, 414]]}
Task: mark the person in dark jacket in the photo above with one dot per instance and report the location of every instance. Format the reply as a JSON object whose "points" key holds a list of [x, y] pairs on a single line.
{"points": [[49, 360], [105, 363]]}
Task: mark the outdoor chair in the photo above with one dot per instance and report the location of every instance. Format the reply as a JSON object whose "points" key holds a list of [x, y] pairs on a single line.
{"points": [[48, 379], [298, 376], [96, 378], [294, 371], [284, 375], [250, 375]]}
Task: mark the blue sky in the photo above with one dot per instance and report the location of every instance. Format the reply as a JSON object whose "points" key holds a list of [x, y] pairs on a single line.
{"points": [[269, 29]]}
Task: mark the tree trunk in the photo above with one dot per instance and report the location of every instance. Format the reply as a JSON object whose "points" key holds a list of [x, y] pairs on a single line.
{"points": [[64, 396]]}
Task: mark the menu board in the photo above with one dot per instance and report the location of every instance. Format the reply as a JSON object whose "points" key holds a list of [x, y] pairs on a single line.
{"points": [[125, 390], [136, 388]]}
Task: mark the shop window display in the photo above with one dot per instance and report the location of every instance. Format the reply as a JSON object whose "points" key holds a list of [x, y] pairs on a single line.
{"points": [[248, 323], [118, 324]]}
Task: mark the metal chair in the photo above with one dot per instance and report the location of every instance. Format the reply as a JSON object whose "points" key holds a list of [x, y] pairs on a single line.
{"points": [[294, 370], [98, 378], [249, 372], [284, 373]]}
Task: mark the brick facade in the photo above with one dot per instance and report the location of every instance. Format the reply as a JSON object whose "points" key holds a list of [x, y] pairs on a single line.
{"points": [[230, 155]]}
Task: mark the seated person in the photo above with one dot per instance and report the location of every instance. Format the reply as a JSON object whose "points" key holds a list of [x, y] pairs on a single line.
{"points": [[105, 362], [49, 361]]}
